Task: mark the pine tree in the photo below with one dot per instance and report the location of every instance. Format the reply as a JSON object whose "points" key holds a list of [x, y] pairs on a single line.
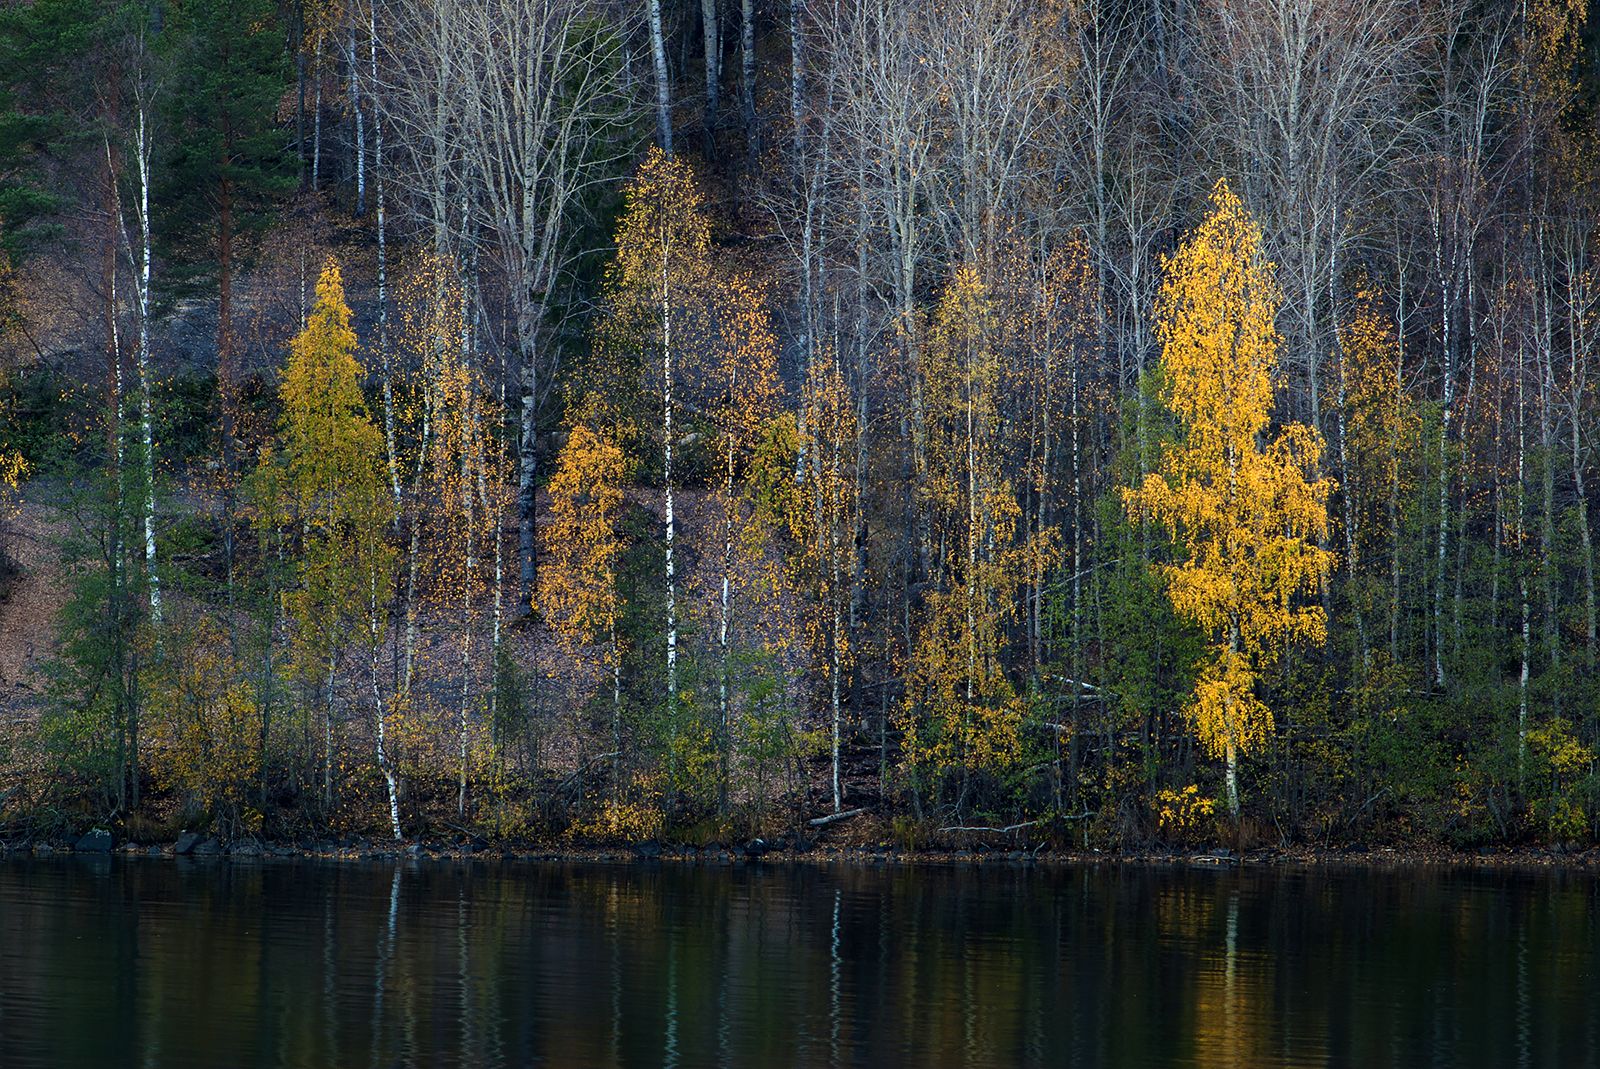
{"points": [[229, 72]]}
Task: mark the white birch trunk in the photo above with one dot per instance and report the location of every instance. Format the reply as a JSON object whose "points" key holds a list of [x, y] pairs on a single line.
{"points": [[712, 41], [747, 79], [142, 365], [723, 721], [671, 518], [658, 55], [383, 262], [316, 117], [359, 122], [381, 725]]}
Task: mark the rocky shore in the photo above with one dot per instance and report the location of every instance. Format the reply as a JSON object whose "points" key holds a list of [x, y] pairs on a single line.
{"points": [[790, 850]]}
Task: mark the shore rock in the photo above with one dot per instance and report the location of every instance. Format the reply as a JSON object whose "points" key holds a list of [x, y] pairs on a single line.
{"points": [[98, 841], [186, 844]]}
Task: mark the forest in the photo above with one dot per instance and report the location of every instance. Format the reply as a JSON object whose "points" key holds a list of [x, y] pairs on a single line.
{"points": [[1104, 423]]}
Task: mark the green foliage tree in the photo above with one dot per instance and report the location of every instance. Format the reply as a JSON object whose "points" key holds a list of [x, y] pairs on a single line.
{"points": [[229, 159]]}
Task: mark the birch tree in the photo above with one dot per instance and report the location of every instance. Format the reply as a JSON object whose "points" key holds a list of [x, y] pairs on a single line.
{"points": [[329, 461], [1247, 510], [522, 105], [578, 592], [964, 714], [658, 292], [744, 394]]}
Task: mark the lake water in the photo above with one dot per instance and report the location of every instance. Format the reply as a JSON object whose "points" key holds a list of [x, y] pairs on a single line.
{"points": [[149, 962]]}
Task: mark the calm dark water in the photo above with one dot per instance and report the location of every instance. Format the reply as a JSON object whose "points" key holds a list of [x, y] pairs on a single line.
{"points": [[111, 962]]}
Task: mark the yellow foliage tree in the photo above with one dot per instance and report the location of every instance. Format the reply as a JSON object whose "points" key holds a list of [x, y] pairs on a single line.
{"points": [[1378, 426], [744, 383], [463, 478], [971, 715], [821, 511], [330, 470], [203, 724], [578, 583], [690, 343], [1245, 507]]}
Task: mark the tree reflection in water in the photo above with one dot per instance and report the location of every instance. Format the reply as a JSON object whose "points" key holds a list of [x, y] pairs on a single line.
{"points": [[302, 964]]}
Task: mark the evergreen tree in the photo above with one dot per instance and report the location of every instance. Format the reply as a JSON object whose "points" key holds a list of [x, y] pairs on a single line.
{"points": [[229, 159]]}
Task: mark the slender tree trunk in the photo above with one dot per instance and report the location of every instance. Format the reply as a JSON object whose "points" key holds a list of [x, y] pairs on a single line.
{"points": [[972, 563], [1397, 459], [1352, 534], [1233, 781], [837, 719], [1232, 749], [300, 93], [126, 708], [724, 733], [667, 474], [1585, 541], [1449, 368], [1522, 686], [470, 459], [712, 39], [466, 668], [1444, 530], [227, 368], [146, 417], [1522, 578], [616, 702], [528, 461], [359, 123], [747, 79], [327, 741], [1462, 512], [268, 670], [495, 525], [380, 726], [414, 549], [385, 357], [316, 117], [1549, 562], [837, 578], [658, 55]]}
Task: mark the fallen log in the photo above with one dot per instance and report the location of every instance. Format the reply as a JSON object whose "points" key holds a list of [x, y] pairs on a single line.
{"points": [[998, 831], [824, 821]]}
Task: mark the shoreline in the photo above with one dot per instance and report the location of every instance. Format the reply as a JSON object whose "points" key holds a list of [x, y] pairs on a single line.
{"points": [[879, 856]]}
